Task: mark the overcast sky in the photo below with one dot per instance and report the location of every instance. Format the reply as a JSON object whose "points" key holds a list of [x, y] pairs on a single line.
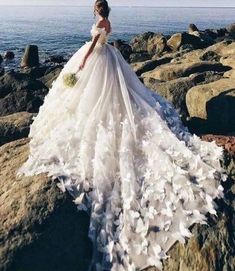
{"points": [[191, 3]]}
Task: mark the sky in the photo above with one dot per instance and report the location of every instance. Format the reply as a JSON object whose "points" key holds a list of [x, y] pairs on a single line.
{"points": [[184, 3]]}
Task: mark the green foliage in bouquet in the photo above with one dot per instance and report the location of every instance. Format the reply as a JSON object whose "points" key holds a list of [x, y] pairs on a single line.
{"points": [[70, 79]]}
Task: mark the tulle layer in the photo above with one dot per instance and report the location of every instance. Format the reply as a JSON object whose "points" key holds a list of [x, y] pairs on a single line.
{"points": [[124, 155]]}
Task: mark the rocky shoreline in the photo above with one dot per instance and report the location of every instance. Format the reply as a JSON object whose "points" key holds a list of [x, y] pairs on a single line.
{"points": [[195, 70]]}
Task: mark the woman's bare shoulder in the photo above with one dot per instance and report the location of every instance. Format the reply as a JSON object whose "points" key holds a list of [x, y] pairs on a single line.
{"points": [[105, 23]]}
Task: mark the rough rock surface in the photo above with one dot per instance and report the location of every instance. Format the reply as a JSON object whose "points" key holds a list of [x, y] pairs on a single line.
{"points": [[19, 92], [214, 102], [40, 227], [173, 71], [15, 126], [30, 57]]}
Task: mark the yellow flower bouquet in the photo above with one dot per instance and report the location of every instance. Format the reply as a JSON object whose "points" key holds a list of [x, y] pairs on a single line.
{"points": [[70, 79]]}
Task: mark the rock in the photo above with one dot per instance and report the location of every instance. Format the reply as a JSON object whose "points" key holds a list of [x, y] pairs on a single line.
{"points": [[223, 49], [1, 59], [231, 29], [139, 57], [215, 103], [141, 67], [157, 44], [179, 39], [210, 56], [51, 75], [124, 48], [192, 28], [186, 48], [9, 55], [31, 57], [15, 126], [41, 228], [19, 92], [55, 59], [228, 61], [35, 72], [42, 71], [174, 91], [140, 42], [173, 71], [2, 71]]}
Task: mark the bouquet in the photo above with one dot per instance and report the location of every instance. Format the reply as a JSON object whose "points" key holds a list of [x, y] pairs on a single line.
{"points": [[70, 79]]}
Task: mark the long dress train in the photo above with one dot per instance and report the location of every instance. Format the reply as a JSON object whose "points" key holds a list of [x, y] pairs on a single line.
{"points": [[124, 155]]}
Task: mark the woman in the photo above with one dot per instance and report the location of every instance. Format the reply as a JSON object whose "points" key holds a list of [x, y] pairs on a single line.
{"points": [[124, 155]]}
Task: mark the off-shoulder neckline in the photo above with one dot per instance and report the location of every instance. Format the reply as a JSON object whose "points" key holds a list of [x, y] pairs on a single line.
{"points": [[103, 28]]}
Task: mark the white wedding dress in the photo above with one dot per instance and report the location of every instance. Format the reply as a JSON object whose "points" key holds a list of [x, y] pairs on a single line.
{"points": [[124, 155]]}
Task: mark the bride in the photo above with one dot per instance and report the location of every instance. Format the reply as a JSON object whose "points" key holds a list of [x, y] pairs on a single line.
{"points": [[124, 155]]}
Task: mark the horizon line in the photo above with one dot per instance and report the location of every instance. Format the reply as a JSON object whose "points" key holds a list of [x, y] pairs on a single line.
{"points": [[131, 6]]}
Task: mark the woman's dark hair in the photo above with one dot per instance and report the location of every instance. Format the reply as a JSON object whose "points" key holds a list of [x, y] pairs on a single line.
{"points": [[102, 7]]}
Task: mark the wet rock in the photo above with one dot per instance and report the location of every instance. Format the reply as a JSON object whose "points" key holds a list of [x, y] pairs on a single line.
{"points": [[41, 228], [1, 59], [15, 126], [2, 71], [58, 59], [31, 57], [19, 92], [9, 55], [50, 75]]}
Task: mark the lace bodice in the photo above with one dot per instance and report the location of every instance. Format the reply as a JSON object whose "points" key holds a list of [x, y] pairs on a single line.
{"points": [[98, 30]]}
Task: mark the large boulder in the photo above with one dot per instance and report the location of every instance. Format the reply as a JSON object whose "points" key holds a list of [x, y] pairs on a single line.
{"points": [[175, 90], [231, 30], [124, 48], [50, 76], [173, 71], [140, 42], [139, 57], [223, 48], [19, 92], [1, 59], [30, 57], [41, 228], [157, 44], [215, 103], [179, 39], [141, 67], [192, 28], [15, 126]]}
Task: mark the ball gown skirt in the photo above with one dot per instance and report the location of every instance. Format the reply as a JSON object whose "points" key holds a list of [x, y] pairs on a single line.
{"points": [[124, 155]]}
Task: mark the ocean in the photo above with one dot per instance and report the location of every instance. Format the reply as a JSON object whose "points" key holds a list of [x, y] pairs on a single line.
{"points": [[63, 30]]}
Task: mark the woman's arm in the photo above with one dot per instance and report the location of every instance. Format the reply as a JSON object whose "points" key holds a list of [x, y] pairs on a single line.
{"points": [[91, 48]]}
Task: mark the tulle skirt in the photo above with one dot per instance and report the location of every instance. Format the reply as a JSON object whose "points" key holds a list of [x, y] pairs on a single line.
{"points": [[124, 155]]}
